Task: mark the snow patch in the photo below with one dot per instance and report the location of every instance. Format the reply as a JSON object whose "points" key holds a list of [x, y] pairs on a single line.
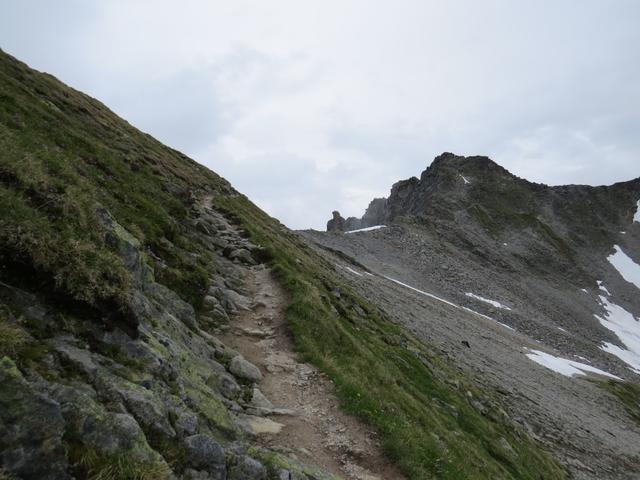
{"points": [[430, 295], [367, 229], [626, 328], [636, 216], [466, 181], [603, 288], [353, 271], [506, 326], [629, 269], [486, 300], [584, 290], [564, 366]]}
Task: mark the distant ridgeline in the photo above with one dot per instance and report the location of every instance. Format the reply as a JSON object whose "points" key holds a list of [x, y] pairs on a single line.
{"points": [[479, 189]]}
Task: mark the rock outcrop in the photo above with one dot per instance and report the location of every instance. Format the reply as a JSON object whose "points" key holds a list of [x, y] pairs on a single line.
{"points": [[337, 223]]}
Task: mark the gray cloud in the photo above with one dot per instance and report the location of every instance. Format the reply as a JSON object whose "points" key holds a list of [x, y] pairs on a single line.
{"points": [[311, 107]]}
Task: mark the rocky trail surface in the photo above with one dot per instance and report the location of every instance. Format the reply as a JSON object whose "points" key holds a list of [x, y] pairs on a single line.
{"points": [[295, 410]]}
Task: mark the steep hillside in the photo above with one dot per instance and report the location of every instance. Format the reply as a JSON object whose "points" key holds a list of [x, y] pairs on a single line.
{"points": [[509, 277], [122, 266]]}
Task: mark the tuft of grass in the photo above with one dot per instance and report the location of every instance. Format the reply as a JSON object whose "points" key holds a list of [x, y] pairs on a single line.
{"points": [[12, 337], [429, 428], [119, 467], [174, 452]]}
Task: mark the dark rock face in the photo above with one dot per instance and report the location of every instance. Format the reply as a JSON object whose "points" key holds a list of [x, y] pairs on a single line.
{"points": [[337, 223], [375, 213]]}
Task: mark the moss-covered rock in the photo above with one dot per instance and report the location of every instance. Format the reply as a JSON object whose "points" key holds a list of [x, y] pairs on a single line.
{"points": [[31, 426]]}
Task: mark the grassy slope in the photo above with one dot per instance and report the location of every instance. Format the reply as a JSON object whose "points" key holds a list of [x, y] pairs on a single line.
{"points": [[62, 153]]}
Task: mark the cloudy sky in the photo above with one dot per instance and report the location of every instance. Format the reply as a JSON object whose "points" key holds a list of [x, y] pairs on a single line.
{"points": [[310, 106]]}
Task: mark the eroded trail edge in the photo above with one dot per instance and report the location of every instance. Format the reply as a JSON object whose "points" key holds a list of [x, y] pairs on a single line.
{"points": [[295, 410]]}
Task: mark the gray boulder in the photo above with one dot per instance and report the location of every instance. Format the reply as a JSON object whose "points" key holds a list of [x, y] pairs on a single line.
{"points": [[231, 300], [242, 255], [258, 400], [247, 468], [32, 427], [225, 384], [242, 368], [143, 404], [204, 453], [186, 424]]}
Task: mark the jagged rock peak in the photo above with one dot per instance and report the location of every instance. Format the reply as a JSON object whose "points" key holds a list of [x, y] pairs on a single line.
{"points": [[446, 171], [339, 224], [476, 185], [336, 224]]}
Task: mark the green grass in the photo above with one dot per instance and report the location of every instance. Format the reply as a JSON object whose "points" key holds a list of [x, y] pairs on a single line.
{"points": [[627, 393], [64, 153], [429, 428], [94, 466]]}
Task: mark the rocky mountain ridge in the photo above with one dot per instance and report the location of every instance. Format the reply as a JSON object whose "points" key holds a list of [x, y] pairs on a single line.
{"points": [[478, 187]]}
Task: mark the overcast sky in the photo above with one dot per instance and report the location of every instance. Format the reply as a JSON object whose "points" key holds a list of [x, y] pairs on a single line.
{"points": [[309, 106]]}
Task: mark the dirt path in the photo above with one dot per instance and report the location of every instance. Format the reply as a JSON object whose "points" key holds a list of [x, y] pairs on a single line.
{"points": [[315, 430]]}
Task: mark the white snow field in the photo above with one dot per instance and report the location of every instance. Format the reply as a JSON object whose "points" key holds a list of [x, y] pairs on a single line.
{"points": [[564, 366], [629, 269], [368, 229], [626, 328], [486, 300]]}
